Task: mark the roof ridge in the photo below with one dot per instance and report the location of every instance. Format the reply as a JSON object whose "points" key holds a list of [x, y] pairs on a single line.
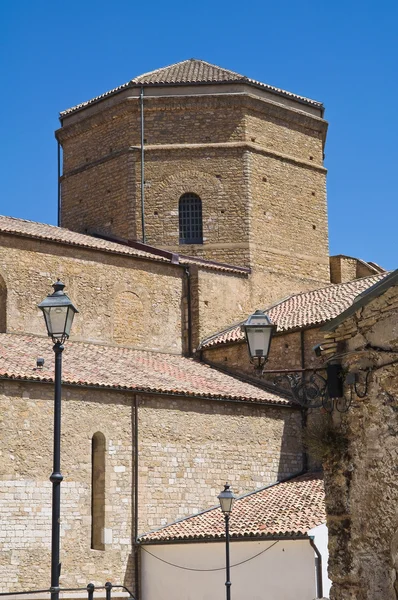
{"points": [[182, 62], [335, 285], [35, 222]]}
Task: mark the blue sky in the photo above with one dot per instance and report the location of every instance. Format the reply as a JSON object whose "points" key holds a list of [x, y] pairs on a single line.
{"points": [[54, 55]]}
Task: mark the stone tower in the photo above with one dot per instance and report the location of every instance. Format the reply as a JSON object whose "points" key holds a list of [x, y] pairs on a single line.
{"points": [[232, 169]]}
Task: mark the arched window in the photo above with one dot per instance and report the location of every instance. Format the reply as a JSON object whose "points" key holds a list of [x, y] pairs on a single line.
{"points": [[190, 217], [97, 491]]}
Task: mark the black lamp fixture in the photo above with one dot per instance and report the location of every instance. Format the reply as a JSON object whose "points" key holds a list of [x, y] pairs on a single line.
{"points": [[310, 387], [258, 330], [58, 311], [226, 498]]}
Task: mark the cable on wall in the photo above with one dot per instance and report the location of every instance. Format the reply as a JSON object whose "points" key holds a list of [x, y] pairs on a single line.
{"points": [[209, 570]]}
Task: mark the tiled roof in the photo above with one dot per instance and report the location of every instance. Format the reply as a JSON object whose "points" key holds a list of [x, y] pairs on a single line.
{"points": [[189, 71], [59, 234], [52, 233], [288, 509], [303, 310], [364, 298], [192, 72], [124, 368]]}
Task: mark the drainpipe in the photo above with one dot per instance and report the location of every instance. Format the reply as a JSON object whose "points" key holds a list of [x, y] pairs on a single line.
{"points": [[189, 310], [136, 546], [318, 569], [304, 411], [142, 165], [59, 184]]}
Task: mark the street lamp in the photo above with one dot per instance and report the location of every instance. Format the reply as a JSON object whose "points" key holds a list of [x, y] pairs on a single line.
{"points": [[58, 311], [226, 498], [258, 331]]}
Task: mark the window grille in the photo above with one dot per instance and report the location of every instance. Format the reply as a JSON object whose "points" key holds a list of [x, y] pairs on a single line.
{"points": [[190, 217]]}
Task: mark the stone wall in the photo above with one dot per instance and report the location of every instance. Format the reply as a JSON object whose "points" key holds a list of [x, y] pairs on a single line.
{"points": [[186, 450], [121, 300], [257, 167], [360, 472], [346, 268], [26, 424], [288, 351]]}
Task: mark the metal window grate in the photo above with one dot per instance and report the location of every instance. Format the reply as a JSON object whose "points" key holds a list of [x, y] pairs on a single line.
{"points": [[190, 216]]}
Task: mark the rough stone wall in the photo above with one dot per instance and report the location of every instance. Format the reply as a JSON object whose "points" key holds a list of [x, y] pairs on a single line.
{"points": [[188, 449], [121, 300], [26, 423], [360, 476]]}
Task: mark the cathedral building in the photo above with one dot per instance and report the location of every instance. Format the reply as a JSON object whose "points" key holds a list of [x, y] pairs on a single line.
{"points": [[188, 197]]}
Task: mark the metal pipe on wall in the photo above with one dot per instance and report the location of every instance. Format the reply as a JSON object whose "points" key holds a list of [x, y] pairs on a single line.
{"points": [[59, 184], [142, 165]]}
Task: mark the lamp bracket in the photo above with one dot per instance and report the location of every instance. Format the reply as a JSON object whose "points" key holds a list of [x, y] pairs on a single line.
{"points": [[311, 389]]}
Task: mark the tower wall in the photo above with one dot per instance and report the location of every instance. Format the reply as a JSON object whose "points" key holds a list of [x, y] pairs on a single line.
{"points": [[256, 165]]}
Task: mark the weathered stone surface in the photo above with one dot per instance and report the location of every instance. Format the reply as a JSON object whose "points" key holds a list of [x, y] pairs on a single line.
{"points": [[361, 488]]}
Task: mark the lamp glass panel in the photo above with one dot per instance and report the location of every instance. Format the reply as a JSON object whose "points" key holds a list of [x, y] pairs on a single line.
{"points": [[69, 320], [46, 313], [259, 340], [57, 321], [226, 503]]}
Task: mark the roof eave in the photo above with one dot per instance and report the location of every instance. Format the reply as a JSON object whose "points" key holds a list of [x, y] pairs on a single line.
{"points": [[152, 392], [221, 538], [245, 81], [362, 299]]}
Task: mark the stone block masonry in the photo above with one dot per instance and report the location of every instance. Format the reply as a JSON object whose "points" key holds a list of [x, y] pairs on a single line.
{"points": [[257, 167], [186, 449]]}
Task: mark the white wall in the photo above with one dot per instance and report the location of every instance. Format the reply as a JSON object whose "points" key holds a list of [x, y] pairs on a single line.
{"points": [[284, 572], [320, 534]]}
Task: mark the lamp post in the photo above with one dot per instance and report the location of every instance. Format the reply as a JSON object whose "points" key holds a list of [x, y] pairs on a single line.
{"points": [[226, 498], [58, 311], [258, 331]]}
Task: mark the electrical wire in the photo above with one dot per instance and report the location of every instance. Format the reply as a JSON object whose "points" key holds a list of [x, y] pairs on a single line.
{"points": [[209, 570]]}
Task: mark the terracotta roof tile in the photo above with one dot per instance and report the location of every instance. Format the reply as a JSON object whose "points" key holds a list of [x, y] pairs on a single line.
{"points": [[303, 310], [124, 368], [290, 508], [61, 235], [192, 71]]}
